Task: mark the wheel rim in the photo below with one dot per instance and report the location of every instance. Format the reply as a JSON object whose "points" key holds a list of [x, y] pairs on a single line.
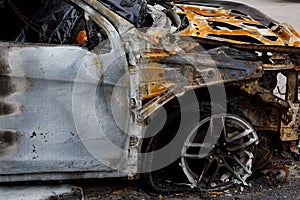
{"points": [[214, 161]]}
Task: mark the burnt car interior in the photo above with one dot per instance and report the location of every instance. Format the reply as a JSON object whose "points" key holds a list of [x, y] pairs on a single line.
{"points": [[49, 22], [258, 59]]}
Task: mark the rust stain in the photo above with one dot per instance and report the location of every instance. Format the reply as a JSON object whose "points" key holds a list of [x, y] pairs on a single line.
{"points": [[151, 90], [287, 33], [96, 62], [153, 81], [160, 54]]}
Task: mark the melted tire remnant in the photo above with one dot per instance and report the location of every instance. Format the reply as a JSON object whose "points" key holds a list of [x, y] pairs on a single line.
{"points": [[161, 181]]}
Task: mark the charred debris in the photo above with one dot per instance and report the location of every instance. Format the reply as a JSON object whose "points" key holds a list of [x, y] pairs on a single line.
{"points": [[205, 43]]}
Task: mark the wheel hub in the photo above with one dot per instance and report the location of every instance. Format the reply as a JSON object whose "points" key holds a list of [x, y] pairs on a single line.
{"points": [[212, 160]]}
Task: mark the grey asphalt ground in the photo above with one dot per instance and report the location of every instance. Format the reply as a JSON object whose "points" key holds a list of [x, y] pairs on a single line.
{"points": [[281, 10]]}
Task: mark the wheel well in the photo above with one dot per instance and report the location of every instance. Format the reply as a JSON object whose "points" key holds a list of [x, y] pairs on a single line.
{"points": [[261, 115], [174, 113]]}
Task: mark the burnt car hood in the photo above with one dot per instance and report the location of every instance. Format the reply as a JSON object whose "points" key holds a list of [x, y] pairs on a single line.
{"points": [[234, 23], [248, 10]]}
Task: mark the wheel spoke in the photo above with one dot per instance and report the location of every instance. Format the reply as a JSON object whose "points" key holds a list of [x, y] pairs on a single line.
{"points": [[242, 146], [224, 127], [209, 138], [213, 176], [226, 165], [219, 158], [205, 168], [202, 149], [186, 155], [239, 136], [242, 165], [200, 145]]}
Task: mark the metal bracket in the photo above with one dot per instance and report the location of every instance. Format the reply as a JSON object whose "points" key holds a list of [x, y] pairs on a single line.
{"points": [[158, 102], [289, 132]]}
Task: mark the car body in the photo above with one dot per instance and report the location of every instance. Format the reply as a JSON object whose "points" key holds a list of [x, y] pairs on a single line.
{"points": [[84, 87]]}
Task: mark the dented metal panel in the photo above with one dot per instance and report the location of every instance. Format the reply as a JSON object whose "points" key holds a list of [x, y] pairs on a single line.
{"points": [[38, 132]]}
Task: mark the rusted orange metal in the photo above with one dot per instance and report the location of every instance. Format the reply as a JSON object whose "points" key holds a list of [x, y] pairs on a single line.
{"points": [[226, 25]]}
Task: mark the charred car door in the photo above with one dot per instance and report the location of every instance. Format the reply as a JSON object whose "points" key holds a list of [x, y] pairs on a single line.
{"points": [[56, 100]]}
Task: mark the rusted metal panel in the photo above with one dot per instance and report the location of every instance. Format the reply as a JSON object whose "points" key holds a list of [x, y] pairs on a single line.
{"points": [[225, 25]]}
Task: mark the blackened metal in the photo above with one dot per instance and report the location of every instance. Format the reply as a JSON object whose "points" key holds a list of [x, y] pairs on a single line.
{"points": [[254, 47], [6, 109], [268, 81], [7, 138], [2, 3], [6, 86], [4, 67], [292, 86], [133, 10]]}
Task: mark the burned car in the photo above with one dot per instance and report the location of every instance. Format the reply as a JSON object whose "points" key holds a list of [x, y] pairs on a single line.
{"points": [[185, 94]]}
